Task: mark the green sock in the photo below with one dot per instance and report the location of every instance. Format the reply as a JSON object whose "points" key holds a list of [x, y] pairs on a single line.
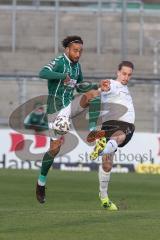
{"points": [[46, 163], [94, 112]]}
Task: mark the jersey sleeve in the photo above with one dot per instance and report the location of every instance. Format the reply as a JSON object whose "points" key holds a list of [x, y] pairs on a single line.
{"points": [[80, 77], [84, 86], [53, 71]]}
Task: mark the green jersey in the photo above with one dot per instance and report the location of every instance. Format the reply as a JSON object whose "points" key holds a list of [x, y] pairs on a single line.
{"points": [[60, 94]]}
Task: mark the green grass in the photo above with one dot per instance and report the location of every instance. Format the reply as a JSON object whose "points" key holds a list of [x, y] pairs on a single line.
{"points": [[72, 210]]}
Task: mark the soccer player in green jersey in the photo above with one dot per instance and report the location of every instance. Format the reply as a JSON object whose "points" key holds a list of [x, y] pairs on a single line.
{"points": [[64, 75]]}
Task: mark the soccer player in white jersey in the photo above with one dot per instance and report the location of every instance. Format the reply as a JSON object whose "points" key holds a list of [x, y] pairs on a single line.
{"points": [[117, 128]]}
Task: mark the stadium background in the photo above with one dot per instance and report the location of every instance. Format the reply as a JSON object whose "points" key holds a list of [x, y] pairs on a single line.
{"points": [[30, 35]]}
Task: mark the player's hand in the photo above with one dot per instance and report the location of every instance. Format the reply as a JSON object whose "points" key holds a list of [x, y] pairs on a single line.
{"points": [[67, 80], [105, 85]]}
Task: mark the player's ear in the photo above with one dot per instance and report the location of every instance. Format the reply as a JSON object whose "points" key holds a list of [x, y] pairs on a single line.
{"points": [[67, 50], [118, 72]]}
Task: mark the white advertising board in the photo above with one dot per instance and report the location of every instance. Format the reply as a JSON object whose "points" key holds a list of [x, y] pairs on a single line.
{"points": [[24, 151]]}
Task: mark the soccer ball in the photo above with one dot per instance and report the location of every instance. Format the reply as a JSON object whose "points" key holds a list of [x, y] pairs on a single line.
{"points": [[61, 125]]}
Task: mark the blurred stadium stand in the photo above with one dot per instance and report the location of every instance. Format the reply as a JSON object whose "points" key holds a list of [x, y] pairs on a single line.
{"points": [[16, 90], [29, 34]]}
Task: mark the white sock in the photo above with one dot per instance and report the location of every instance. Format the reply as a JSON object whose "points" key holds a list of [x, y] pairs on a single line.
{"points": [[41, 180], [104, 178], [41, 183], [110, 147]]}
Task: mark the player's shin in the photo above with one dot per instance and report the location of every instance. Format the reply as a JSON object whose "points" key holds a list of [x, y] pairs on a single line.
{"points": [[104, 178], [46, 164]]}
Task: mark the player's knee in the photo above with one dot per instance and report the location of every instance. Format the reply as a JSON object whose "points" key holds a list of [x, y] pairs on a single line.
{"points": [[84, 102], [107, 167], [55, 146], [107, 163]]}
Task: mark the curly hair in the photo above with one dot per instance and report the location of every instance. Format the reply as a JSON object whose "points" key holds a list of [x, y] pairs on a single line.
{"points": [[71, 39]]}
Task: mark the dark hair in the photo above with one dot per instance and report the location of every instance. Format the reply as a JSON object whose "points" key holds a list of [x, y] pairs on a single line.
{"points": [[71, 39], [125, 64]]}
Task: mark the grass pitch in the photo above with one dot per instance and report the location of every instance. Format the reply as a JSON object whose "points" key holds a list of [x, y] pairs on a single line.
{"points": [[73, 211]]}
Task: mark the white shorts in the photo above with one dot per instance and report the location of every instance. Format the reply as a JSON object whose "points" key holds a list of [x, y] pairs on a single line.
{"points": [[72, 110]]}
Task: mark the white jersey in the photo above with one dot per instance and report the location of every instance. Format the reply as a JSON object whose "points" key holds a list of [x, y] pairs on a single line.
{"points": [[117, 103]]}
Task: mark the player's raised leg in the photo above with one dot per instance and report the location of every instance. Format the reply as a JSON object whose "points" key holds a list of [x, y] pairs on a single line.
{"points": [[91, 99]]}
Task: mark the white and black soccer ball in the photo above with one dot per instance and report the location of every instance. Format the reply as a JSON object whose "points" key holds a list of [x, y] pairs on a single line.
{"points": [[61, 125]]}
